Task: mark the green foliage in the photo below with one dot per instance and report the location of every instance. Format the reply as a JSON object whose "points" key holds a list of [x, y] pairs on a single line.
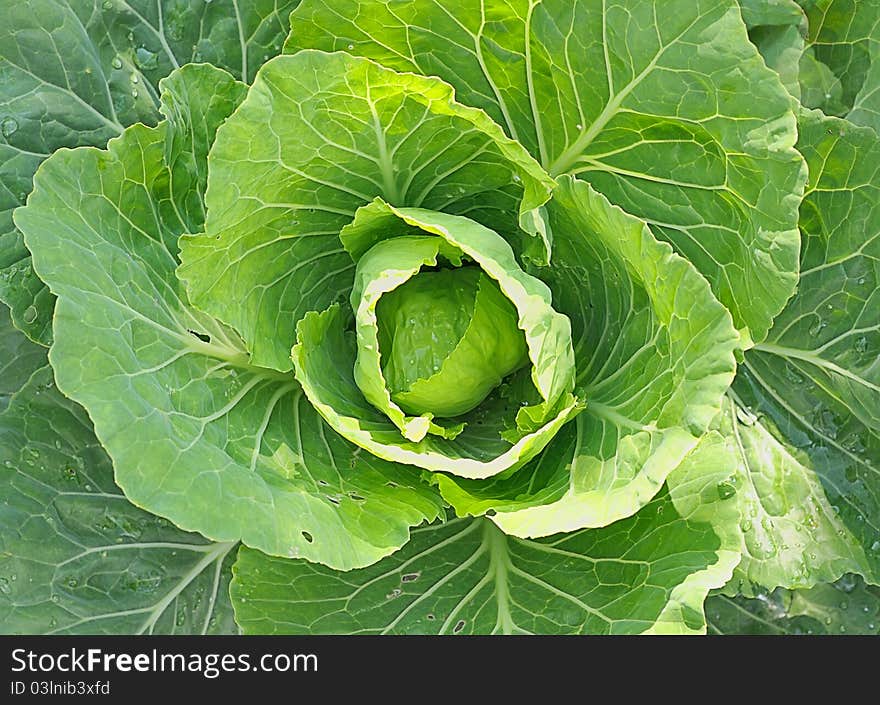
{"points": [[533, 316]]}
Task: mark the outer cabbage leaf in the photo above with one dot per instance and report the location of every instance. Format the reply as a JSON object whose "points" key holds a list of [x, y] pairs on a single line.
{"points": [[19, 357], [664, 107], [778, 28], [75, 556], [76, 73], [648, 573], [654, 355], [318, 136], [196, 434], [841, 68], [803, 422], [848, 606]]}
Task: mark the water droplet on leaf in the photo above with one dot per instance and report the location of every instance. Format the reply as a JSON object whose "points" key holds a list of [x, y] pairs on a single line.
{"points": [[817, 327], [725, 490], [146, 59], [8, 126]]}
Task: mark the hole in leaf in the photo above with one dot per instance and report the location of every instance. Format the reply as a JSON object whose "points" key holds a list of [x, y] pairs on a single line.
{"points": [[201, 336], [409, 577], [307, 536], [459, 625]]}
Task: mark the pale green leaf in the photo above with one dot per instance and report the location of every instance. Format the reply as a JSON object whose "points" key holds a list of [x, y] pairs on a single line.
{"points": [[319, 136], [665, 108], [785, 528], [196, 434], [654, 355]]}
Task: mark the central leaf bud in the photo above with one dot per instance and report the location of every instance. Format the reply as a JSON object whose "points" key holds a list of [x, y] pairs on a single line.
{"points": [[447, 338]]}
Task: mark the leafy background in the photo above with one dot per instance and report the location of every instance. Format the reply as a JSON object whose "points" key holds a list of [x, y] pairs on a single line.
{"points": [[800, 432]]}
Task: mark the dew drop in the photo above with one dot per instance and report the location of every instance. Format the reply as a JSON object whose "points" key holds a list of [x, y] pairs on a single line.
{"points": [[8, 126], [725, 490], [30, 314], [350, 47], [145, 58], [792, 375], [134, 94], [116, 63], [4, 586]]}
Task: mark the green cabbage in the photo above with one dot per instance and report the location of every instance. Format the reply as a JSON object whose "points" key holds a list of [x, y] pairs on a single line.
{"points": [[534, 316]]}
